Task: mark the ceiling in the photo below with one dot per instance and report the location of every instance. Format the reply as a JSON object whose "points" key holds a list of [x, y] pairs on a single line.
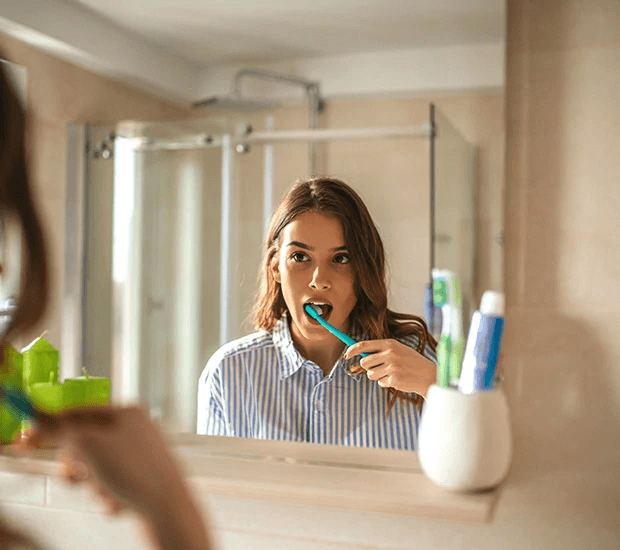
{"points": [[186, 50], [216, 32]]}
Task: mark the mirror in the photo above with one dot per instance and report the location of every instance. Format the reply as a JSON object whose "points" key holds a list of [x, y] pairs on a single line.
{"points": [[169, 200], [177, 215]]}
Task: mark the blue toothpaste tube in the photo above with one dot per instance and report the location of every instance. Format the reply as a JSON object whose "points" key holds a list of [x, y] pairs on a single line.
{"points": [[483, 344]]}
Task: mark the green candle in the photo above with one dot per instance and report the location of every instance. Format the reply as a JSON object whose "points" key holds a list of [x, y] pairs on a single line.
{"points": [[10, 373], [85, 391], [48, 396], [40, 361]]}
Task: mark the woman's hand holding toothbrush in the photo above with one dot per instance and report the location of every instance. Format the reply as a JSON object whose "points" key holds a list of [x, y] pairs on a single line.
{"points": [[122, 454], [394, 365]]}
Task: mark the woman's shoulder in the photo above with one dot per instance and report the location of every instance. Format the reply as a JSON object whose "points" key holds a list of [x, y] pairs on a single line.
{"points": [[246, 345]]}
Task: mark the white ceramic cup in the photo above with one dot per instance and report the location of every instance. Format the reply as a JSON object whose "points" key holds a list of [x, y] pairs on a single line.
{"points": [[464, 440]]}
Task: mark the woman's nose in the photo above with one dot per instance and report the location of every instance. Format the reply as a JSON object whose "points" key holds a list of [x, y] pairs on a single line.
{"points": [[320, 281]]}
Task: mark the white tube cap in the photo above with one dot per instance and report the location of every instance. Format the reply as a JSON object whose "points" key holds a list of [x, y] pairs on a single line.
{"points": [[492, 303]]}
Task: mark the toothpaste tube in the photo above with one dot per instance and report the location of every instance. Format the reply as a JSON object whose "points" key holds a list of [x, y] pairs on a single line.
{"points": [[483, 344]]}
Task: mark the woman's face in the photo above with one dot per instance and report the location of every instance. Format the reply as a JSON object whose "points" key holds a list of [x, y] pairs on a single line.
{"points": [[314, 266]]}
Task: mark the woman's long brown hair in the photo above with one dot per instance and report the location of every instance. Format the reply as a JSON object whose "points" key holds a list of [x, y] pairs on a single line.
{"points": [[16, 201], [371, 315]]}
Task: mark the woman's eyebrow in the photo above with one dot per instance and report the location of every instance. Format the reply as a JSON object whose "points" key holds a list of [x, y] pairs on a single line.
{"points": [[299, 244]]}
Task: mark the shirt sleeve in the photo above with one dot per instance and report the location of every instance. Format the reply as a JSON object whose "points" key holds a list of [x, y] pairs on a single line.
{"points": [[211, 411]]}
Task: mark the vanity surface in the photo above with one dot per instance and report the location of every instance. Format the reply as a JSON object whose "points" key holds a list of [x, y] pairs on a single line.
{"points": [[368, 480]]}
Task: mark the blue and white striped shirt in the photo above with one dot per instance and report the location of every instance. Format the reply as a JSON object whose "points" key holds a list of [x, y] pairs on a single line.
{"points": [[259, 386]]}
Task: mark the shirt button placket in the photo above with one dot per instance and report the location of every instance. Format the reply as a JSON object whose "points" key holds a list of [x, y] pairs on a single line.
{"points": [[315, 401]]}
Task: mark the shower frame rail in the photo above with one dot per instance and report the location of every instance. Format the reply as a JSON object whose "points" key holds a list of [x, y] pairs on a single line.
{"points": [[203, 140]]}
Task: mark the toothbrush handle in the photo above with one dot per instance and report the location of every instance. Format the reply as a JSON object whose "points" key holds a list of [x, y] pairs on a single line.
{"points": [[337, 333], [18, 401]]}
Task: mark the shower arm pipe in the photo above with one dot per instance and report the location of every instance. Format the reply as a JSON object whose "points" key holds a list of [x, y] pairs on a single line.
{"points": [[311, 87]]}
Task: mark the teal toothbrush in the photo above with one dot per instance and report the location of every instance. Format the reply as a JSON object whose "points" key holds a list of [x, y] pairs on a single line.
{"points": [[19, 403], [337, 333]]}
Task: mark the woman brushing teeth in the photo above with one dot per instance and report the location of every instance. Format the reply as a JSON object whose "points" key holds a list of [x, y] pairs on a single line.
{"points": [[291, 380]]}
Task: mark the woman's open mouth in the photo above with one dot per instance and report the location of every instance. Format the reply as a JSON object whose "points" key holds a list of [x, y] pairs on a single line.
{"points": [[323, 309]]}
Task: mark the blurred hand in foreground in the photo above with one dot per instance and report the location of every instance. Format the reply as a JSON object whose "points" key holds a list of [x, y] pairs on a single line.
{"points": [[122, 454]]}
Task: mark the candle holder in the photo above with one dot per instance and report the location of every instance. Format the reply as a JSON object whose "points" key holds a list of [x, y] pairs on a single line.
{"points": [[40, 362], [85, 391], [465, 441]]}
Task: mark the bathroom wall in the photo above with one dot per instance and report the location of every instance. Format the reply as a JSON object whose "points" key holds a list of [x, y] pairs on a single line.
{"points": [[562, 268], [59, 93]]}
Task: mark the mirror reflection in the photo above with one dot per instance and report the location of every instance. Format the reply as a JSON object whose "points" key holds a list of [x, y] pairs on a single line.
{"points": [[296, 379], [189, 206]]}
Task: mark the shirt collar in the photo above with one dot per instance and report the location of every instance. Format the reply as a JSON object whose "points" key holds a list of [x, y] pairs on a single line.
{"points": [[290, 359]]}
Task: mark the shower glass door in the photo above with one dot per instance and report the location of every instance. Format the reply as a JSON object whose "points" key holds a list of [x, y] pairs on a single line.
{"points": [[152, 269]]}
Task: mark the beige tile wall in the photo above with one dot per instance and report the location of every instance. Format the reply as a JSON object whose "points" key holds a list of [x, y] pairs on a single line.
{"points": [[562, 267], [563, 200]]}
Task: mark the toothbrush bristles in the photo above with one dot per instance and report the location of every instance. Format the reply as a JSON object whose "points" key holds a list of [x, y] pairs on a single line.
{"points": [[318, 309]]}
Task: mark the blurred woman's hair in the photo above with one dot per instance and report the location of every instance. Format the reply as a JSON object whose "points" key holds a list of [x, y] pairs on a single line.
{"points": [[16, 203], [371, 316]]}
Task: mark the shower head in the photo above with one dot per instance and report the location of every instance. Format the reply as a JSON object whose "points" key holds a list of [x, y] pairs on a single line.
{"points": [[237, 104]]}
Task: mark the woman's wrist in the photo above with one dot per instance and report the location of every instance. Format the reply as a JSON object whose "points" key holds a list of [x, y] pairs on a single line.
{"points": [[176, 523], [429, 378]]}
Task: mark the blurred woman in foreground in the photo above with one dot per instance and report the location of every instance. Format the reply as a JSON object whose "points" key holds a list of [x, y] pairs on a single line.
{"points": [[119, 450]]}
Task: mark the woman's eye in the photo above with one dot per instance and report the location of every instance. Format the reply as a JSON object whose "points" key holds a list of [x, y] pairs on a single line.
{"points": [[298, 256], [342, 259]]}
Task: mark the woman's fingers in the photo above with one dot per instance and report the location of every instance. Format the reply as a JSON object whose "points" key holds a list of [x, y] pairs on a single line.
{"points": [[377, 373], [72, 469], [366, 346], [112, 505], [94, 416], [27, 441]]}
